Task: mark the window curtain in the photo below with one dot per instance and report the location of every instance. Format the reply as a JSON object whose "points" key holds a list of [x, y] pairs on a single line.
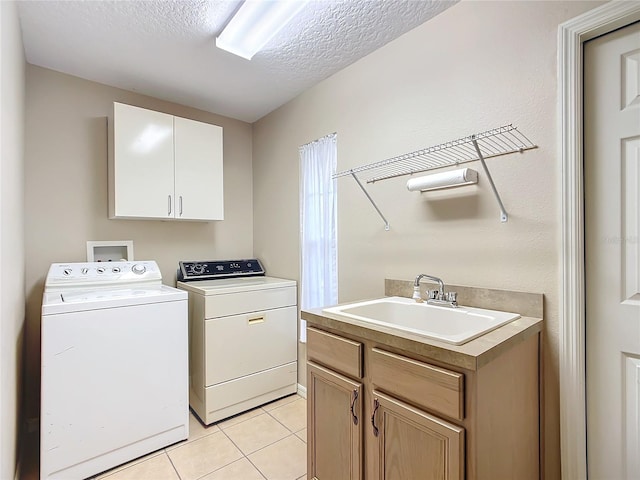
{"points": [[318, 226]]}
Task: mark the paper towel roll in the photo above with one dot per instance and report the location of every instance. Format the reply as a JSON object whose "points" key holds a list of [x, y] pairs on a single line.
{"points": [[452, 178]]}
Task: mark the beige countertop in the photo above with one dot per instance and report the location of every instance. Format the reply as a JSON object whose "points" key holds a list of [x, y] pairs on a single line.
{"points": [[471, 355]]}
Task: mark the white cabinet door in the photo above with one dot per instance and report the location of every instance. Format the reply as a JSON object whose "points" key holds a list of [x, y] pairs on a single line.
{"points": [[198, 170], [141, 171]]}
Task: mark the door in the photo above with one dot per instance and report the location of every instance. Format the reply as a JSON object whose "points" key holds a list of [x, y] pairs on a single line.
{"points": [[143, 163], [334, 406], [413, 444], [198, 187], [612, 258]]}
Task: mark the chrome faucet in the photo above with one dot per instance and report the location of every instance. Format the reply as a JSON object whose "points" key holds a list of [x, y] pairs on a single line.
{"points": [[435, 297]]}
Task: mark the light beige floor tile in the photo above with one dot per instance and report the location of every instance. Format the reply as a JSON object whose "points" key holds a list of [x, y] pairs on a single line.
{"points": [[129, 464], [292, 415], [240, 418], [284, 460], [256, 433], [205, 455], [240, 470], [302, 435], [282, 401], [154, 468], [196, 431], [303, 477]]}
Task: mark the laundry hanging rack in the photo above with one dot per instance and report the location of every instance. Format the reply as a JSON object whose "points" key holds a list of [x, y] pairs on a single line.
{"points": [[499, 141]]}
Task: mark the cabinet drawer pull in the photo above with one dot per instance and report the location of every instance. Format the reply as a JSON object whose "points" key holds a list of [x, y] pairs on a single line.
{"points": [[256, 320], [376, 404], [169, 205], [353, 402], [180, 205]]}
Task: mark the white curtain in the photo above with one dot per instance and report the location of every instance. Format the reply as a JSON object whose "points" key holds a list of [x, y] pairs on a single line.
{"points": [[318, 226]]}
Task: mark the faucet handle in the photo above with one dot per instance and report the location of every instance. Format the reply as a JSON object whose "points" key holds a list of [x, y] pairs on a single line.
{"points": [[452, 297], [432, 294]]}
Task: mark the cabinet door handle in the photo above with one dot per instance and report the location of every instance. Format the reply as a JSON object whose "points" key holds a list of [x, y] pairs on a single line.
{"points": [[353, 402], [180, 205], [169, 205], [376, 404]]}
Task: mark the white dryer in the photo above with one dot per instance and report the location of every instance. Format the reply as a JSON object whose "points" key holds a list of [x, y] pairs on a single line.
{"points": [[114, 371], [243, 336]]}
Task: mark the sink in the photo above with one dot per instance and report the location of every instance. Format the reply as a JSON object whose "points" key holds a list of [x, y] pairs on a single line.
{"points": [[451, 325]]}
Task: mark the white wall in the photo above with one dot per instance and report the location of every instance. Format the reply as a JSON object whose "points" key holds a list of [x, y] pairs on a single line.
{"points": [[12, 296], [476, 66]]}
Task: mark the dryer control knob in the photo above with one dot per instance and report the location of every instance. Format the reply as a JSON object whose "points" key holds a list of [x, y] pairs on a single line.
{"points": [[198, 269], [138, 269]]}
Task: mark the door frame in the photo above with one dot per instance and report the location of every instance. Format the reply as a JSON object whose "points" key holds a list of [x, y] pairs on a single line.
{"points": [[572, 355]]}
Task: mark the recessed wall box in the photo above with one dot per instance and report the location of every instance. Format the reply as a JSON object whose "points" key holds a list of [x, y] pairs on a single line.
{"points": [[109, 251]]}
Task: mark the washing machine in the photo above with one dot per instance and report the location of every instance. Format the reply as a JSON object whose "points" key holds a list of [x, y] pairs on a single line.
{"points": [[243, 336], [114, 370]]}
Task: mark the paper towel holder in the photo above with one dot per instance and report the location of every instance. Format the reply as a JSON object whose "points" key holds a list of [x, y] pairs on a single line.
{"points": [[439, 181], [503, 140]]}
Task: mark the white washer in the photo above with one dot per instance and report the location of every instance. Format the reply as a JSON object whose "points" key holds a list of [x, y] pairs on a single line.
{"points": [[114, 367], [243, 337]]}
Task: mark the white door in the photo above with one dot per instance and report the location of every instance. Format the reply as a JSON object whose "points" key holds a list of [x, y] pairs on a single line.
{"points": [[199, 187], [143, 165], [612, 259]]}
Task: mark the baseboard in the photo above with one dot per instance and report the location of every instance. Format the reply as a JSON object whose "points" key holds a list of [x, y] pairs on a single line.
{"points": [[302, 391], [20, 447], [18, 468]]}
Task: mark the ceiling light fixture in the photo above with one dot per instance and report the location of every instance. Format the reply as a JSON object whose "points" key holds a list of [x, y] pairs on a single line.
{"points": [[255, 23]]}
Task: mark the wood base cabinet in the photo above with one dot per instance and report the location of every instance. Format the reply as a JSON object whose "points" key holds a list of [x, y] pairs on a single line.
{"points": [[335, 407], [378, 412], [413, 444]]}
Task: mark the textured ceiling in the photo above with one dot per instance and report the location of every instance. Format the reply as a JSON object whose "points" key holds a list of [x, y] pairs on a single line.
{"points": [[166, 49]]}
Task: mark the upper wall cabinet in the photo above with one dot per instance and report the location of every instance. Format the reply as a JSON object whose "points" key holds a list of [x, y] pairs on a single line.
{"points": [[163, 167]]}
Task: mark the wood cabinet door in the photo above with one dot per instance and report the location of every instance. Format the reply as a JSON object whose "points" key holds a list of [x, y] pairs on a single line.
{"points": [[412, 444], [142, 167], [198, 159], [334, 408]]}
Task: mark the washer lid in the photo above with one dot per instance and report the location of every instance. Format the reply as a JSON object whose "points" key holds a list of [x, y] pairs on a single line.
{"points": [[76, 301], [233, 285]]}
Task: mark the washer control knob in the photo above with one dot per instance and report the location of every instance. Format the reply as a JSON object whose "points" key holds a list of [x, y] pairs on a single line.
{"points": [[85, 270], [138, 269], [100, 269], [67, 271], [115, 269]]}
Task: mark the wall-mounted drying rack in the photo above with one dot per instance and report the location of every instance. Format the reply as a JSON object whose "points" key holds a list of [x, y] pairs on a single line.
{"points": [[492, 143]]}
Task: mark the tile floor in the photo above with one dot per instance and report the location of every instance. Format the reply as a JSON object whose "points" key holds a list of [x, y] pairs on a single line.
{"points": [[267, 443]]}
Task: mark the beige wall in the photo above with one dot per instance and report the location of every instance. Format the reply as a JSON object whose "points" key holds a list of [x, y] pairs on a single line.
{"points": [[12, 97], [66, 192], [476, 66]]}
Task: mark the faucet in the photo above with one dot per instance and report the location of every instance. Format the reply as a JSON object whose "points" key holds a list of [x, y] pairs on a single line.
{"points": [[435, 297]]}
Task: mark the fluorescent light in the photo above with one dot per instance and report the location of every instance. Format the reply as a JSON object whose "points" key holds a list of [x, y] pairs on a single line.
{"points": [[437, 181], [255, 23]]}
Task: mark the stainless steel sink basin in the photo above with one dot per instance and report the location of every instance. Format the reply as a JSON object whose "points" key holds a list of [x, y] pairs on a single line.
{"points": [[450, 325]]}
